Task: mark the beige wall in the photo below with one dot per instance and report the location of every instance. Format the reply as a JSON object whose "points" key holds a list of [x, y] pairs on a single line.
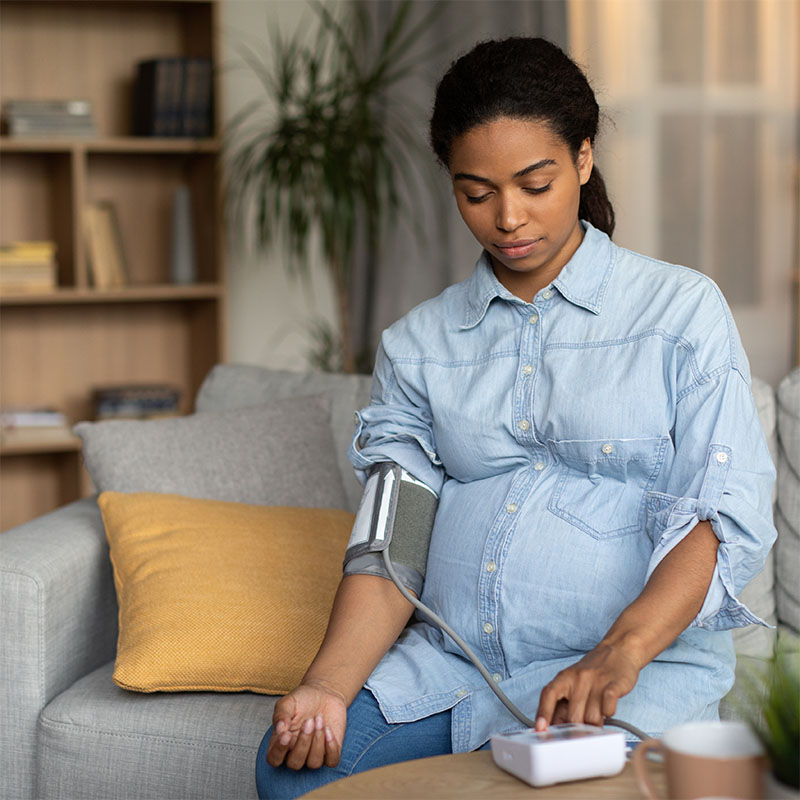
{"points": [[270, 314]]}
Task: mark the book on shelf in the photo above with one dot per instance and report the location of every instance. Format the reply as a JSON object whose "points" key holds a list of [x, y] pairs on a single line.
{"points": [[173, 97], [104, 248], [27, 267], [29, 117], [136, 401]]}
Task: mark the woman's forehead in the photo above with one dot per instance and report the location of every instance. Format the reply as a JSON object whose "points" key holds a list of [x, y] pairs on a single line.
{"points": [[506, 146]]}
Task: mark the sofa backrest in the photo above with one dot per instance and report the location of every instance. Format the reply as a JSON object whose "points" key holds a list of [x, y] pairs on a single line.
{"points": [[240, 385]]}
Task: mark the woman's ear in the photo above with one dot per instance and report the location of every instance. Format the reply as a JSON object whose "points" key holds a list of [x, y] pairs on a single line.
{"points": [[585, 161]]}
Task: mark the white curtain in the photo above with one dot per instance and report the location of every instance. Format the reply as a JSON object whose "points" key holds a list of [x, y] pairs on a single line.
{"points": [[700, 154]]}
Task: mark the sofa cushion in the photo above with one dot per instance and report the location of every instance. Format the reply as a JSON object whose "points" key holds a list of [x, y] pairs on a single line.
{"points": [[220, 596], [276, 454], [787, 516], [236, 385], [99, 742]]}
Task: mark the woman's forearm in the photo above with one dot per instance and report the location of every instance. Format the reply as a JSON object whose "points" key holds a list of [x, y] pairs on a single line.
{"points": [[671, 599], [368, 615], [588, 690]]}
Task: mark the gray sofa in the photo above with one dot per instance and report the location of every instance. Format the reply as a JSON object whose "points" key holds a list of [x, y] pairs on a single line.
{"points": [[69, 732]]}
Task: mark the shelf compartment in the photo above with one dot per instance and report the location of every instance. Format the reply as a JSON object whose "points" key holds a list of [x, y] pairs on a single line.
{"points": [[37, 202], [141, 188], [89, 50], [57, 356]]}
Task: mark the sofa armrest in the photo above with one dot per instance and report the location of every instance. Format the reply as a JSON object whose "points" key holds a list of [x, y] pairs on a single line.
{"points": [[58, 615]]}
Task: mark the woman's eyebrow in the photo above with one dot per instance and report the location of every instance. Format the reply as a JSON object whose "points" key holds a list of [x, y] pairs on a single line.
{"points": [[466, 176]]}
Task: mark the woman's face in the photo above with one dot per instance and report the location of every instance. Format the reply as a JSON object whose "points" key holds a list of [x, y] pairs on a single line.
{"points": [[518, 190]]}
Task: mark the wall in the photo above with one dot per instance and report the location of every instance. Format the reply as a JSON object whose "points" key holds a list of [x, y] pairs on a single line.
{"points": [[270, 314]]}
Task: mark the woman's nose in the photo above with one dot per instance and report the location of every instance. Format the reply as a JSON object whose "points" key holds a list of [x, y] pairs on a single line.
{"points": [[510, 214]]}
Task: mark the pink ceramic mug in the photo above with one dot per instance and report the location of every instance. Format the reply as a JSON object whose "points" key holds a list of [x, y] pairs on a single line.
{"points": [[705, 759]]}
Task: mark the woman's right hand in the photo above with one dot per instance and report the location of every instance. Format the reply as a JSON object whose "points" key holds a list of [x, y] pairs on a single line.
{"points": [[308, 727]]}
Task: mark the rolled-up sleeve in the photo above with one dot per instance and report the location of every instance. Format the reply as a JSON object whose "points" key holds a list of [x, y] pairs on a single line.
{"points": [[395, 426], [722, 473]]}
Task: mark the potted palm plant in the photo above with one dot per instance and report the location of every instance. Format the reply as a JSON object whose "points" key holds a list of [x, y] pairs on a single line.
{"points": [[321, 150], [775, 716]]}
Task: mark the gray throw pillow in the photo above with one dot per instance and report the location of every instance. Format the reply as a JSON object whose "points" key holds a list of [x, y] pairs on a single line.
{"points": [[276, 454]]}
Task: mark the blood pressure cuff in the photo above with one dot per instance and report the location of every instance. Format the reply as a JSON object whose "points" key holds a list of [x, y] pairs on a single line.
{"points": [[396, 512]]}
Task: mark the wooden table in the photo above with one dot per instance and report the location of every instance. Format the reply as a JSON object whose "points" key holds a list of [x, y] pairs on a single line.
{"points": [[473, 776]]}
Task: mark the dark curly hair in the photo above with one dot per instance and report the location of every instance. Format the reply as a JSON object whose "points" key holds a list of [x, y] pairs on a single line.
{"points": [[522, 78]]}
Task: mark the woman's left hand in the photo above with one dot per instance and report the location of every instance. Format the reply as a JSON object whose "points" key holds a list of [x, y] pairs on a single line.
{"points": [[588, 690]]}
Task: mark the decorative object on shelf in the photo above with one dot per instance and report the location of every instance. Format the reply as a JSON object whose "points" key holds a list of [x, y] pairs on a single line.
{"points": [[104, 246], [27, 425], [774, 714], [173, 97], [322, 151], [27, 267], [183, 265], [48, 118], [136, 401]]}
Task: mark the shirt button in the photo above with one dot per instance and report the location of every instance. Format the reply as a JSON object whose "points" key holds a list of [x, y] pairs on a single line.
{"points": [[524, 425], [533, 319], [497, 677], [488, 627], [491, 566], [722, 458], [527, 369], [511, 508], [461, 692], [547, 294], [538, 466], [355, 417], [607, 448]]}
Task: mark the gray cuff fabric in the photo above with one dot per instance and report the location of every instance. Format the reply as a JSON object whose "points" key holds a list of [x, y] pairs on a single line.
{"points": [[372, 564]]}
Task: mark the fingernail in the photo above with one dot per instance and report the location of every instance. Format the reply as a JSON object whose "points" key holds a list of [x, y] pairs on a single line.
{"points": [[280, 727], [285, 739], [319, 722], [328, 735], [541, 724], [308, 726]]}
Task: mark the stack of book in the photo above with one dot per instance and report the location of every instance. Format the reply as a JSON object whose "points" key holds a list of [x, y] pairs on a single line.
{"points": [[136, 401], [36, 425], [174, 97], [27, 267], [106, 256], [48, 118]]}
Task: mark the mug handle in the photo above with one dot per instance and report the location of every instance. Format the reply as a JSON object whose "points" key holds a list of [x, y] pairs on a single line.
{"points": [[639, 759]]}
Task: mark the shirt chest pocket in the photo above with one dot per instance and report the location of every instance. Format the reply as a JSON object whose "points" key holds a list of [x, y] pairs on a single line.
{"points": [[602, 483]]}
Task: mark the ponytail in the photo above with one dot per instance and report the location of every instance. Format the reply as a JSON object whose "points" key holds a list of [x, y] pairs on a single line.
{"points": [[595, 207]]}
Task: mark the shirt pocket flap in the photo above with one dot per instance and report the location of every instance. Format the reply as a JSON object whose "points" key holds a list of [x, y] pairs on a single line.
{"points": [[602, 482]]}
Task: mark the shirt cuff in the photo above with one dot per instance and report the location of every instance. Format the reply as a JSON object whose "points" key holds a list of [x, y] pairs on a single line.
{"points": [[411, 451], [721, 610]]}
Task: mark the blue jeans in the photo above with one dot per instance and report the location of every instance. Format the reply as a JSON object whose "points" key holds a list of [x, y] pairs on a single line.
{"points": [[369, 741]]}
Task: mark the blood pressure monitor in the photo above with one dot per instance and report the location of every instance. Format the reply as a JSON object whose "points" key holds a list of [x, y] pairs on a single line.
{"points": [[567, 752]]}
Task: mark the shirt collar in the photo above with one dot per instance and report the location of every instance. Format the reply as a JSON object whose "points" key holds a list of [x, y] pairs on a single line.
{"points": [[582, 281]]}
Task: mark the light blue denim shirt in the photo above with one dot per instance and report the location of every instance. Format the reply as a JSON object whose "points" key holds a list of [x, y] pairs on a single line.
{"points": [[574, 441]]}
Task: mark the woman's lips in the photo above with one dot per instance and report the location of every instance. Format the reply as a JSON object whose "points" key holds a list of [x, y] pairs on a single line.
{"points": [[519, 248]]}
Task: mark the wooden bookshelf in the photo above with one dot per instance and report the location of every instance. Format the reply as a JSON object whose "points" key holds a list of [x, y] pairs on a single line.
{"points": [[55, 347]]}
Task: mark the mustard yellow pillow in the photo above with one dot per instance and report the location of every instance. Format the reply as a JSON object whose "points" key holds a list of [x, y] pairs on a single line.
{"points": [[220, 596]]}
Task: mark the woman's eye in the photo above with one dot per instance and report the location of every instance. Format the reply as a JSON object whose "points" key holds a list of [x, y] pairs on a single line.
{"points": [[538, 189]]}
